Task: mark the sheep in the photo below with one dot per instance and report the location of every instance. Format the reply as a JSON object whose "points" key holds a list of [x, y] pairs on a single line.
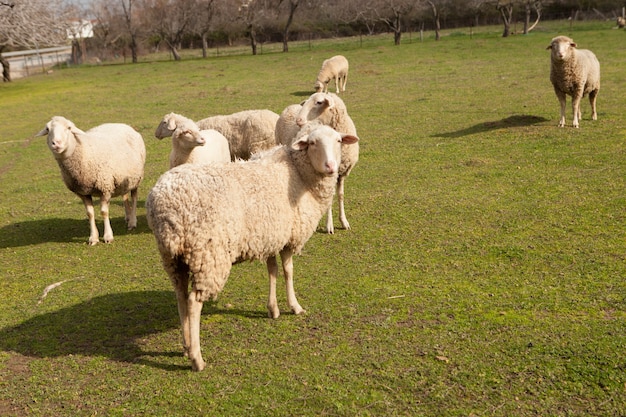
{"points": [[335, 67], [105, 161], [575, 72], [330, 110], [205, 218], [247, 131], [621, 22], [190, 144], [286, 126]]}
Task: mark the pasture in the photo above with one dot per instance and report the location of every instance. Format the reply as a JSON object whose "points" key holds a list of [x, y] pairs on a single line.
{"points": [[483, 275]]}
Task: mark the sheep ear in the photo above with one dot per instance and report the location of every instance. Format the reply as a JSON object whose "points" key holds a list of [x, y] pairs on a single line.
{"points": [[573, 44], [349, 139], [43, 132], [170, 122], [549, 46], [301, 144], [75, 130], [330, 102]]}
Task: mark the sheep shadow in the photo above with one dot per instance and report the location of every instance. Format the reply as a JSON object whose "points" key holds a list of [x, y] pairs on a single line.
{"points": [[64, 230], [113, 326], [520, 120]]}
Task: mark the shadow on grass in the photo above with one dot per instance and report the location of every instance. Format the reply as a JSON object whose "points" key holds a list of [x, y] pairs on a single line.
{"points": [[113, 326], [33, 232], [520, 120]]}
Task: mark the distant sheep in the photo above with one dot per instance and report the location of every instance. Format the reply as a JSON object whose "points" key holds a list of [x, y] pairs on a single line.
{"points": [[574, 72], [621, 22], [247, 131], [205, 218], [190, 144], [335, 67], [105, 161], [328, 109]]}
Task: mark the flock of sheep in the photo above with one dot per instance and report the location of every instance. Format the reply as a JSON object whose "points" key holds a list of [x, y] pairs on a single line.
{"points": [[245, 186]]}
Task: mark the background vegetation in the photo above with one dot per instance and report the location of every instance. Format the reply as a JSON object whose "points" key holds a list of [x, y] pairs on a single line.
{"points": [[484, 275]]}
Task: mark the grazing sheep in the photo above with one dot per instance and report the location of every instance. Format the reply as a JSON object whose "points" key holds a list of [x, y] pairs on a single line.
{"points": [[206, 218], [574, 72], [105, 161], [335, 67], [621, 22], [328, 109], [190, 144], [247, 131]]}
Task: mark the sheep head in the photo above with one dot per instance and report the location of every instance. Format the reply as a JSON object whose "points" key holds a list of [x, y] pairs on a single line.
{"points": [[323, 147], [314, 107], [561, 47], [61, 135]]}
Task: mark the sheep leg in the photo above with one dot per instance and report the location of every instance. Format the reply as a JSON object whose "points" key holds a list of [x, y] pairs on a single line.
{"points": [[130, 208], [345, 81], [272, 304], [93, 230], [287, 258], [342, 211], [104, 211], [562, 101], [329, 220], [337, 83], [194, 310], [181, 286], [592, 100]]}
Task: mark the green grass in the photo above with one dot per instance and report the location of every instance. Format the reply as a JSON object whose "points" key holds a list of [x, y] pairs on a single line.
{"points": [[483, 276]]}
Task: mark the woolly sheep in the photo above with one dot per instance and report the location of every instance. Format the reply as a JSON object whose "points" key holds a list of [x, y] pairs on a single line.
{"points": [[621, 22], [574, 72], [190, 144], [328, 109], [286, 126], [247, 131], [105, 161], [205, 218], [335, 67]]}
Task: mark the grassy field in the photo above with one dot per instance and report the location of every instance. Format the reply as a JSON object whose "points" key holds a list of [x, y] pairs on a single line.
{"points": [[483, 275]]}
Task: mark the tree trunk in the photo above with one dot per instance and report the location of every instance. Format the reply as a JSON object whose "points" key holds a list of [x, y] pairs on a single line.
{"points": [[436, 19], [133, 48], [205, 45], [6, 67], [293, 5], [253, 40], [397, 30], [506, 12]]}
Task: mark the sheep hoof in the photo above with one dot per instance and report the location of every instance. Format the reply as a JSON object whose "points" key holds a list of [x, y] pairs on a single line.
{"points": [[198, 365], [92, 242], [273, 312], [299, 310]]}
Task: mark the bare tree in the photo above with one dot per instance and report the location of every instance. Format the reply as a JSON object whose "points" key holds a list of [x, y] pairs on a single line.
{"points": [[293, 5], [170, 21], [131, 27], [253, 14], [206, 12], [391, 13], [528, 6], [435, 7], [505, 7], [31, 24]]}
